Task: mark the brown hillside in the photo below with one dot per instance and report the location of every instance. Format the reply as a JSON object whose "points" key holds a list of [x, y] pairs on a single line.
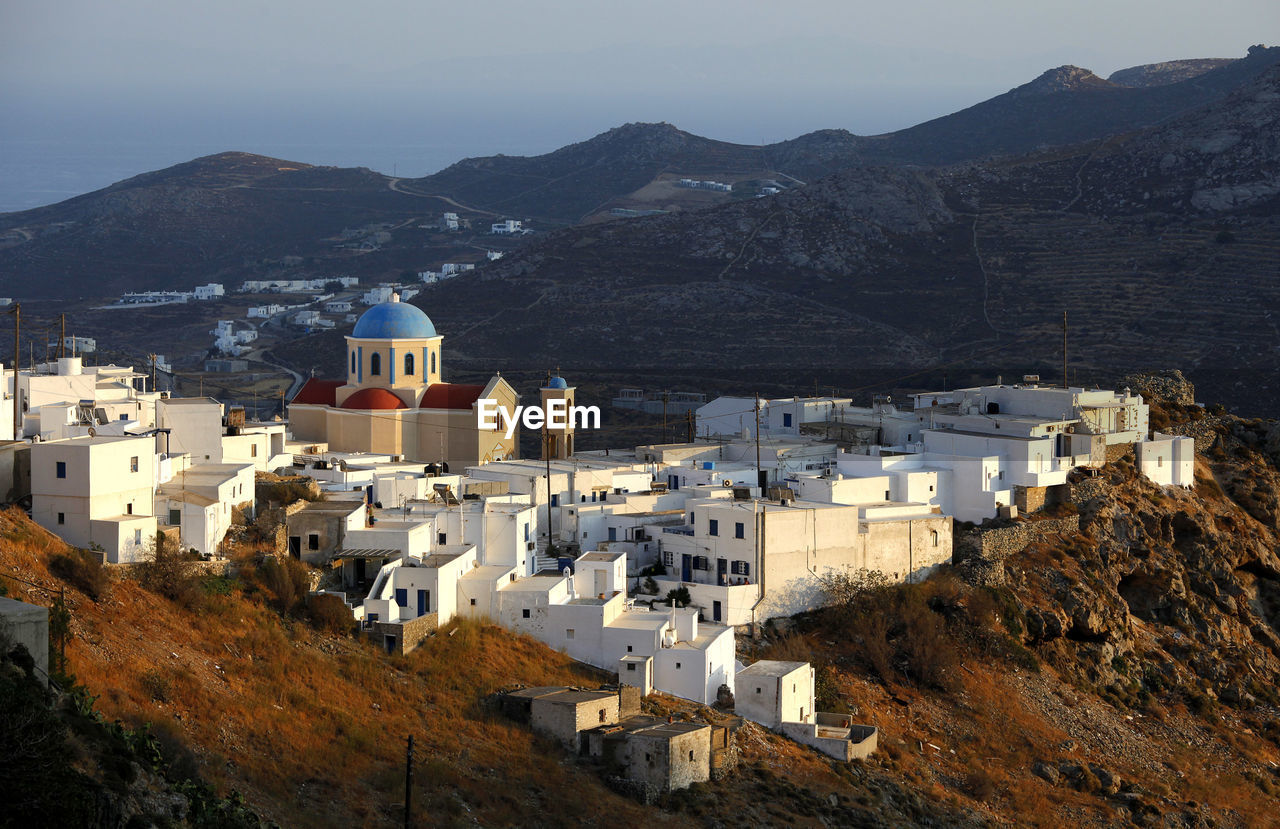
{"points": [[310, 728]]}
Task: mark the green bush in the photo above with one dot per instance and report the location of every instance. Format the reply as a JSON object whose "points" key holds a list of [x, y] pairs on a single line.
{"points": [[679, 597]]}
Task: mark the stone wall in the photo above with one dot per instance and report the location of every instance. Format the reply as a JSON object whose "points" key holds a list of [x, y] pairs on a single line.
{"points": [[981, 553], [1116, 451], [408, 635], [1028, 498], [1204, 432], [1168, 385], [724, 753], [1086, 489]]}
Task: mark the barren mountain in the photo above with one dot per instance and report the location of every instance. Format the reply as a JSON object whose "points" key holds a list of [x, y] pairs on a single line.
{"points": [[1167, 72], [234, 216], [1160, 242]]}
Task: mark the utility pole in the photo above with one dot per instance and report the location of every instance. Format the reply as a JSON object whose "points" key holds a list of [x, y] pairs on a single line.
{"points": [[408, 784], [1065, 382], [62, 340], [152, 358], [688, 416], [759, 473], [17, 319], [664, 417], [547, 454]]}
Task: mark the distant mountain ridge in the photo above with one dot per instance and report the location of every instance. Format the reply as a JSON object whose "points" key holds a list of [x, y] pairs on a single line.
{"points": [[1065, 105], [230, 216], [1167, 72], [1157, 242]]}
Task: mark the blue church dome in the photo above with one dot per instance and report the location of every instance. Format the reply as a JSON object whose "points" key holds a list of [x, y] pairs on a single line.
{"points": [[394, 321], [557, 382]]}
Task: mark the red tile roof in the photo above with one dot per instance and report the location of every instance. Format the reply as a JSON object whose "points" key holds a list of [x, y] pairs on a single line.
{"points": [[317, 392], [373, 398], [450, 396]]}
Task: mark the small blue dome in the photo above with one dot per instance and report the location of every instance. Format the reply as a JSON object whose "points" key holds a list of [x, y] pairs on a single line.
{"points": [[556, 382], [394, 321]]}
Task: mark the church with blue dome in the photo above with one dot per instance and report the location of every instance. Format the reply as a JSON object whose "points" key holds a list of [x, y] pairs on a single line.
{"points": [[395, 401]]}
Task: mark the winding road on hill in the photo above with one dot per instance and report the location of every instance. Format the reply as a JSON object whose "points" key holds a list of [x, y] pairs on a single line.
{"points": [[393, 184]]}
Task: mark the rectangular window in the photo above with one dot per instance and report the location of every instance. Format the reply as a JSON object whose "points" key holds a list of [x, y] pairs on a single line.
{"points": [[739, 530], [133, 464], [62, 469], [175, 517], [128, 509], [62, 518], [631, 666], [402, 597], [473, 602], [137, 536], [440, 538], [713, 527], [628, 649], [568, 633], [786, 420], [677, 666], [313, 542], [525, 613], [253, 451], [669, 559]]}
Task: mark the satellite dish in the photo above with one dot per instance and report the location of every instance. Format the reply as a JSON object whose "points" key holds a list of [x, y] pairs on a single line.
{"points": [[93, 433]]}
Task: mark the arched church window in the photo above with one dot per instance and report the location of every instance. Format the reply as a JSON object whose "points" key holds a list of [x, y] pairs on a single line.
{"points": [[433, 362], [375, 364], [408, 365], [353, 362]]}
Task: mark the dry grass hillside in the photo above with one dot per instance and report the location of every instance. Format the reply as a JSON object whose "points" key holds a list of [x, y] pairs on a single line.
{"points": [[310, 727]]}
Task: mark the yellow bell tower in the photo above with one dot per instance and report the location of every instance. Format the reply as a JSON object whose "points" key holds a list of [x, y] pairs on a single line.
{"points": [[557, 441]]}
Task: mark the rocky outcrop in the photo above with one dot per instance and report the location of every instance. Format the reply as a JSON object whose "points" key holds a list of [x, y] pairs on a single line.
{"points": [[1159, 588], [1168, 386], [981, 553]]}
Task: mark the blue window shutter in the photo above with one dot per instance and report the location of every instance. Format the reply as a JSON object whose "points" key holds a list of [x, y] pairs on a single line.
{"points": [[393, 366], [402, 597]]}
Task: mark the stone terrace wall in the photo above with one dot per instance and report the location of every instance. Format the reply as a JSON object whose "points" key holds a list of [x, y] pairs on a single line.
{"points": [[981, 553], [1204, 432]]}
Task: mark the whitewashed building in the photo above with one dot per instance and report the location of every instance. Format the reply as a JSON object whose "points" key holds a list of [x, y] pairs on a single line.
{"points": [[213, 290], [97, 491]]}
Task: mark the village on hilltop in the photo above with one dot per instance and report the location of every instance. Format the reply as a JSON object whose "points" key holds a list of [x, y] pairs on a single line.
{"points": [[644, 561]]}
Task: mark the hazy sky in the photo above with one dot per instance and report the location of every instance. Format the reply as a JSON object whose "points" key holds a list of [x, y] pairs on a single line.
{"points": [[529, 76]]}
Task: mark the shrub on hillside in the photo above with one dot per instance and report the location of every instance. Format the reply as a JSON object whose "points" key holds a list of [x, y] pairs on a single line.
{"points": [[329, 614], [283, 582], [82, 570], [907, 632], [173, 573]]}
